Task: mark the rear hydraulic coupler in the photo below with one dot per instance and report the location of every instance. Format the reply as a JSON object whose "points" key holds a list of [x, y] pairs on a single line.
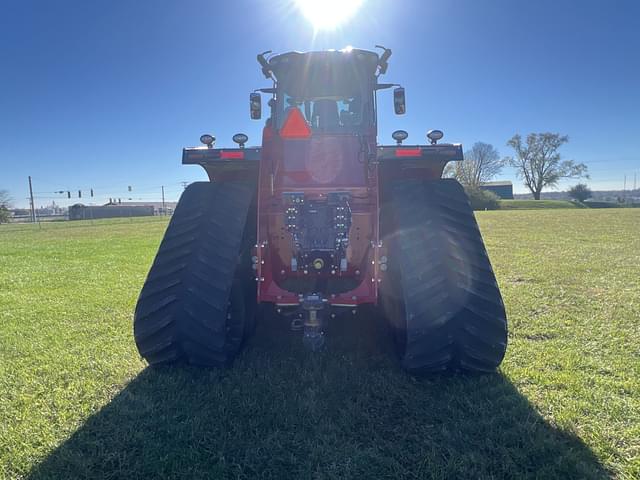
{"points": [[313, 335]]}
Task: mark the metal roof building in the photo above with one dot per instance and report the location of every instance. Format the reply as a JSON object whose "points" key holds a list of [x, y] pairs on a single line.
{"points": [[91, 212], [503, 189], [158, 208]]}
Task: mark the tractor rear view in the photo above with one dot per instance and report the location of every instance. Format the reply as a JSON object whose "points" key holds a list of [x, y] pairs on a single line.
{"points": [[319, 220]]}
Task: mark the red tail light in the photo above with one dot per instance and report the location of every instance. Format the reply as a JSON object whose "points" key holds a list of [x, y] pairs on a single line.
{"points": [[408, 152], [230, 155], [295, 126]]}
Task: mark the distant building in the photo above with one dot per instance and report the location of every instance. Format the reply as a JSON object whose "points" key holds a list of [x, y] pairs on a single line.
{"points": [[169, 207], [85, 212], [503, 190], [21, 212]]}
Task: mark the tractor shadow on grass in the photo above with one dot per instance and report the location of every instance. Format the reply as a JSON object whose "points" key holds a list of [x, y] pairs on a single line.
{"points": [[348, 412]]}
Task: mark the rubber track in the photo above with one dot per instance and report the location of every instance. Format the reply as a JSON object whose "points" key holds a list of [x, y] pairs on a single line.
{"points": [[453, 314], [181, 313]]}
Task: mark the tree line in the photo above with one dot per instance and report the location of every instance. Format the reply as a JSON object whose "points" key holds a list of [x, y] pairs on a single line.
{"points": [[5, 205], [536, 159]]}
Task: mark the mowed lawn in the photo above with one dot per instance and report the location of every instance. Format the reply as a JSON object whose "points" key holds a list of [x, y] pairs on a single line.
{"points": [[76, 401]]}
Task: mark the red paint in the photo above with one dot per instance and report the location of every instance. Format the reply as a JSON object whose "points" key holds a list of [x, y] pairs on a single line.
{"points": [[267, 133]]}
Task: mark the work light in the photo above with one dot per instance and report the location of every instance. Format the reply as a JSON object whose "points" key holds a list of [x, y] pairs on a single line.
{"points": [[208, 140], [240, 139], [399, 136], [434, 136]]}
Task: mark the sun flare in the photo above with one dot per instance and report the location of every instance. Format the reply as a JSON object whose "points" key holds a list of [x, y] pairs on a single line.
{"points": [[328, 14]]}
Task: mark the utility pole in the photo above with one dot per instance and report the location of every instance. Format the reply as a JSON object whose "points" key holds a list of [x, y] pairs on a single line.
{"points": [[33, 208], [164, 210], [634, 180]]}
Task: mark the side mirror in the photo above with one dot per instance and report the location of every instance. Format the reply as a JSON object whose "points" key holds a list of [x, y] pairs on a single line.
{"points": [[255, 106], [398, 101]]}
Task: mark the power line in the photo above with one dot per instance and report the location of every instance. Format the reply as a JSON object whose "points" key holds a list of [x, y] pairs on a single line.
{"points": [[113, 187]]}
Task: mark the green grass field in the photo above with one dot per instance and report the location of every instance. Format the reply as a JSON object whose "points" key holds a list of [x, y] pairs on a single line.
{"points": [[77, 402], [537, 204]]}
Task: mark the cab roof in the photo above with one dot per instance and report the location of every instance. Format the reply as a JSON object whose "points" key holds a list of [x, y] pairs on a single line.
{"points": [[364, 59]]}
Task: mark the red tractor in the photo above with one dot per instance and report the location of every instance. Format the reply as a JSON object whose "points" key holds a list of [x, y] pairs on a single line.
{"points": [[322, 219]]}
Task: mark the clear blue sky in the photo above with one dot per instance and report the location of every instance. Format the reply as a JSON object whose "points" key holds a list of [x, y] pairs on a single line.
{"points": [[104, 94]]}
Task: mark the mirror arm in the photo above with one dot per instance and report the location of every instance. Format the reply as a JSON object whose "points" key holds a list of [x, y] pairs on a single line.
{"points": [[384, 86]]}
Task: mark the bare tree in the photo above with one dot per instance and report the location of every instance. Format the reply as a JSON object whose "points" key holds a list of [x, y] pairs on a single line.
{"points": [[480, 165], [5, 204], [538, 162]]}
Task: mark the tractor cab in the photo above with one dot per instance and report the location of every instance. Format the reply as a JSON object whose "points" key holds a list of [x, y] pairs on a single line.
{"points": [[332, 91]]}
